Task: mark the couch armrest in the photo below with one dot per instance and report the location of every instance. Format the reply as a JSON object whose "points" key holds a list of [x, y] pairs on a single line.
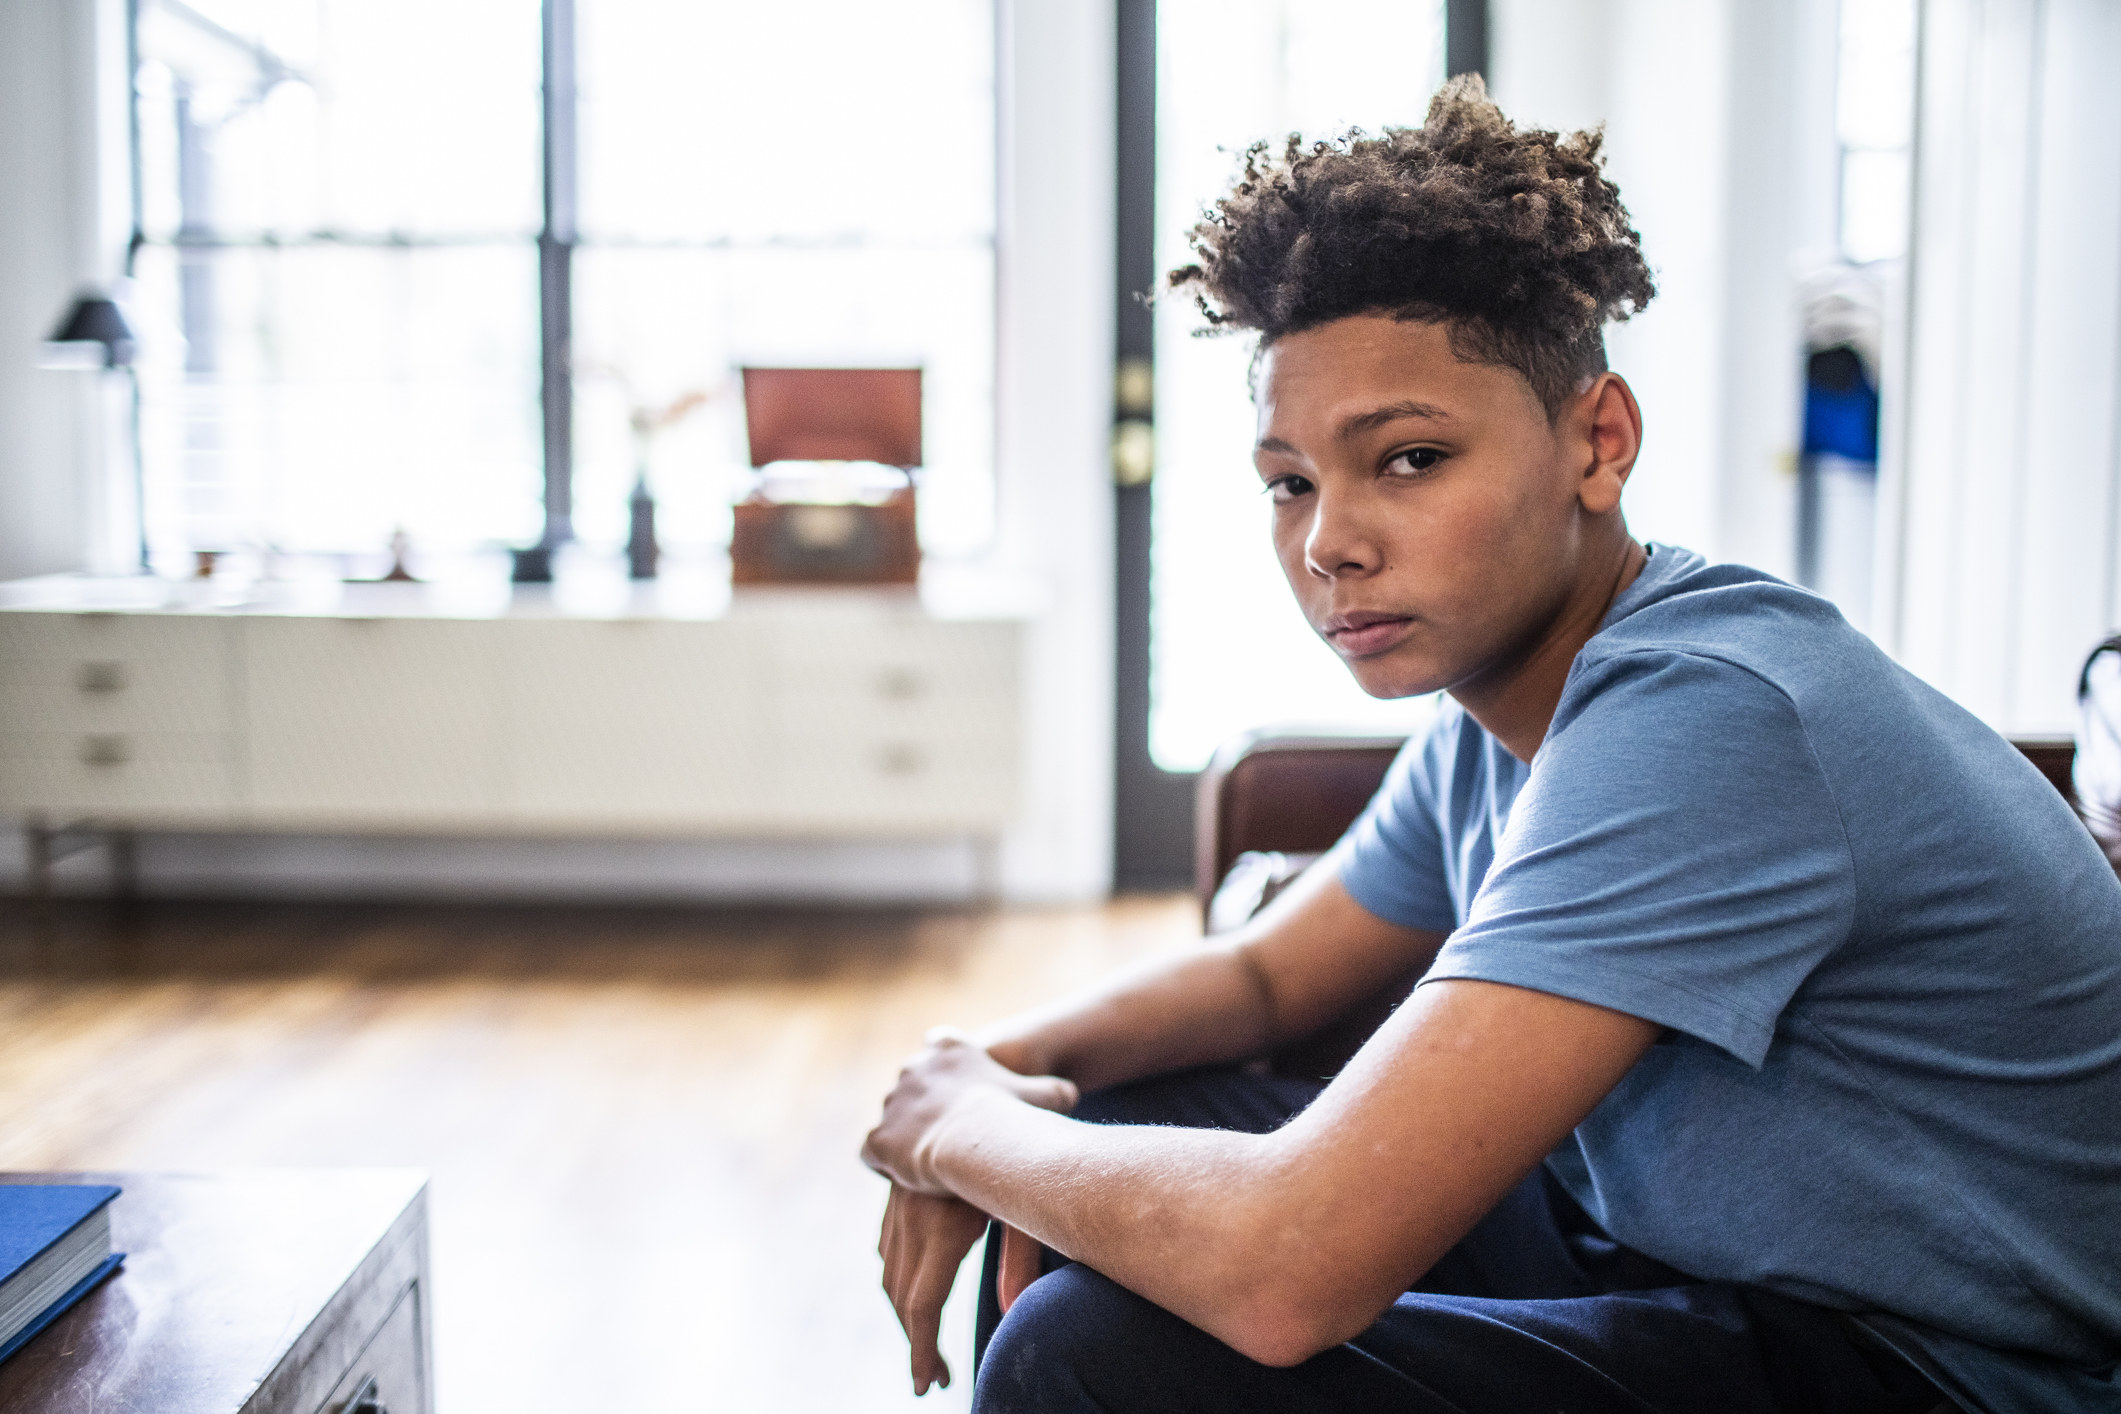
{"points": [[2054, 756], [1284, 793]]}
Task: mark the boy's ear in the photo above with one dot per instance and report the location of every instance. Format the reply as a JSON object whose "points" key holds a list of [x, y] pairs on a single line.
{"points": [[1606, 420]]}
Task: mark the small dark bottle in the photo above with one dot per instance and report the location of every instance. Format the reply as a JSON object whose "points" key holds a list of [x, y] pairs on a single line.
{"points": [[641, 549]]}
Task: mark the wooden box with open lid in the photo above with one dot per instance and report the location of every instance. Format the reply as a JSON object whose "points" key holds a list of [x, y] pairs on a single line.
{"points": [[836, 449]]}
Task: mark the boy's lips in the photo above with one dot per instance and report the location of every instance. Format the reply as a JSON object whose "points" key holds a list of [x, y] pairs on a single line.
{"points": [[1361, 632]]}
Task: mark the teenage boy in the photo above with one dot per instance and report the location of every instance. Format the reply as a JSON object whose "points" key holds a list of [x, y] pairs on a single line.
{"points": [[1766, 1054]]}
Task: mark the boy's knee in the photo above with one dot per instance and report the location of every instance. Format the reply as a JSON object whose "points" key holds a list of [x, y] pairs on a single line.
{"points": [[1068, 1327]]}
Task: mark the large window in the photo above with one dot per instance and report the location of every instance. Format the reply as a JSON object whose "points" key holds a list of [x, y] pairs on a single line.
{"points": [[1874, 121], [340, 282], [1230, 650]]}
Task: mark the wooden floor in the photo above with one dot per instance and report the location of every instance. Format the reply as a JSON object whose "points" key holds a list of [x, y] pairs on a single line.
{"points": [[641, 1125]]}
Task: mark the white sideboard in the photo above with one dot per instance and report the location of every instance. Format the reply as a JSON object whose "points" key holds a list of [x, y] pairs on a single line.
{"points": [[824, 714]]}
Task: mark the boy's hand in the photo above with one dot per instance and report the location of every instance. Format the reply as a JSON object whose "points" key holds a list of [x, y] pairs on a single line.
{"points": [[949, 1071], [1017, 1267], [925, 1240], [927, 1230]]}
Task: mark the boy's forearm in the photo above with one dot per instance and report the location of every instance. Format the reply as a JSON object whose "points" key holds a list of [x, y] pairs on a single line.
{"points": [[1199, 1008], [1310, 955], [1208, 1224], [1281, 1244], [1173, 1214]]}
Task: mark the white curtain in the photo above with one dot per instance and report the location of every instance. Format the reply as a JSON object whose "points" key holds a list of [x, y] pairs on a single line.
{"points": [[2000, 515]]}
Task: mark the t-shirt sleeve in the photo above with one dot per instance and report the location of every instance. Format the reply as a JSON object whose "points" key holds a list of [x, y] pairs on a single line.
{"points": [[1391, 861], [1675, 854]]}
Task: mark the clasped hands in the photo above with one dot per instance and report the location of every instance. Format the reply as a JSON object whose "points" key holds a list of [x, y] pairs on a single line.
{"points": [[928, 1229]]}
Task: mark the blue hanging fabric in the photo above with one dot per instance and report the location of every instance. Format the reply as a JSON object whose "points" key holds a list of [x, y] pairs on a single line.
{"points": [[1840, 406]]}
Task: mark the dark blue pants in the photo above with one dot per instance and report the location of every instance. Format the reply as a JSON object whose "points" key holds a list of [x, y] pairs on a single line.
{"points": [[1535, 1312]]}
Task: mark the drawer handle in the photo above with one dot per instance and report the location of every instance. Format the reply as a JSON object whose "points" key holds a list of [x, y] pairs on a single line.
{"points": [[900, 761], [106, 750], [366, 1400], [899, 684], [100, 677]]}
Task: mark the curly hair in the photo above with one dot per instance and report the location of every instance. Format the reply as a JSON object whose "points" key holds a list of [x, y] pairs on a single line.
{"points": [[1514, 240]]}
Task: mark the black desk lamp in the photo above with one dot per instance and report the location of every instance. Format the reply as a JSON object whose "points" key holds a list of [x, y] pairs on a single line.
{"points": [[96, 319]]}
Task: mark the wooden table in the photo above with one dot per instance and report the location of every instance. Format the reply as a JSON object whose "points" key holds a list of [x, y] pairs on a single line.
{"points": [[276, 1292]]}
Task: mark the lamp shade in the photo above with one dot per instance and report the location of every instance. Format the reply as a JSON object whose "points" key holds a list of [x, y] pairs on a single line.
{"points": [[96, 319]]}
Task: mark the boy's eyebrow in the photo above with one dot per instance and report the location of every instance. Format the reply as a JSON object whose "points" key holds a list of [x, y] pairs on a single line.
{"points": [[1367, 421], [1391, 412]]}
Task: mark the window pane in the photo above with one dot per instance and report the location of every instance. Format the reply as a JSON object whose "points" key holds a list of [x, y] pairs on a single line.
{"points": [[1230, 650], [653, 325], [337, 393], [1874, 103], [1874, 115], [824, 120], [363, 116], [1874, 204], [808, 183]]}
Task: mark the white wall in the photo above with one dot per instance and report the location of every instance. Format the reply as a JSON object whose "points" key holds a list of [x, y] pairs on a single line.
{"points": [[1054, 489], [1054, 423], [1780, 200], [2001, 499], [64, 216], [1719, 130]]}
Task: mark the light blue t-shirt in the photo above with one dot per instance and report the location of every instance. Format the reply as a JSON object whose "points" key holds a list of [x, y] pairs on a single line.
{"points": [[1888, 955]]}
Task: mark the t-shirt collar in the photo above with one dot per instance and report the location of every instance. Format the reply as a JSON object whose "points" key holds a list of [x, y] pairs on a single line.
{"points": [[1661, 573]]}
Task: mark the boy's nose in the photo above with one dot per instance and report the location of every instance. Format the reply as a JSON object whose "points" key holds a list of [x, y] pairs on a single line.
{"points": [[1338, 544]]}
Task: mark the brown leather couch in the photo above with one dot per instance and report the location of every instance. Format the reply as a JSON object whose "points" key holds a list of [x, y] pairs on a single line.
{"points": [[1271, 802], [1283, 793]]}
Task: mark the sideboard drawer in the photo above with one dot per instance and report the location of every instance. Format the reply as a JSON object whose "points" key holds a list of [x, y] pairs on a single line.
{"points": [[154, 774], [631, 723], [906, 670], [386, 1377], [937, 778], [114, 672], [371, 722], [897, 726]]}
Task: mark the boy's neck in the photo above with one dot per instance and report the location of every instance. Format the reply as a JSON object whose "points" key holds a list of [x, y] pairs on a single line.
{"points": [[1515, 703]]}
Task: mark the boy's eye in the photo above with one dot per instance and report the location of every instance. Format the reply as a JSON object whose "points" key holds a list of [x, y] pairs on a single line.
{"points": [[1285, 489], [1414, 461]]}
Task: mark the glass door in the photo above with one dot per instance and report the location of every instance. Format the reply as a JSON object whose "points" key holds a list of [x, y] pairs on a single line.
{"points": [[1230, 652], [1210, 643]]}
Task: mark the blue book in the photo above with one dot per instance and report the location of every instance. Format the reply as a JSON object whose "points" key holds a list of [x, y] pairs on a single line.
{"points": [[54, 1248]]}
